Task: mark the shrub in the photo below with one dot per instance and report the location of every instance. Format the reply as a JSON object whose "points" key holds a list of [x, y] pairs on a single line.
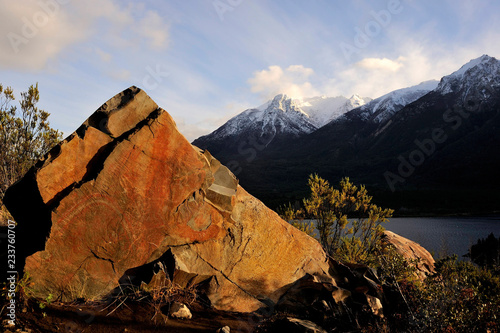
{"points": [[349, 225], [25, 136], [461, 297]]}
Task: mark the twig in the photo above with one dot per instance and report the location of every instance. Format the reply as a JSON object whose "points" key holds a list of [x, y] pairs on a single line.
{"points": [[118, 306]]}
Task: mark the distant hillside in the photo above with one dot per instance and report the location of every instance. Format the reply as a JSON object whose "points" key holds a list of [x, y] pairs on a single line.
{"points": [[418, 151]]}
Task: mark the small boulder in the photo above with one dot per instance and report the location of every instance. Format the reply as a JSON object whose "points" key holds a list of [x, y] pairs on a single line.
{"points": [[180, 311], [375, 305]]}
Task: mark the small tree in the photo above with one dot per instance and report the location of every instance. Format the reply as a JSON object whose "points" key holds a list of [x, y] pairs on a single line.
{"points": [[25, 135], [486, 253], [349, 224]]}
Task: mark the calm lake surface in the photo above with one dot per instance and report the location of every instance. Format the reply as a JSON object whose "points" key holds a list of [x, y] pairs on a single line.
{"points": [[445, 235]]}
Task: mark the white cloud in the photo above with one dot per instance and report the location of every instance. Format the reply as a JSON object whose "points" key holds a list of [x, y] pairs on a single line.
{"points": [[39, 32], [293, 81], [153, 27], [413, 61], [374, 77], [300, 70], [34, 34], [380, 64]]}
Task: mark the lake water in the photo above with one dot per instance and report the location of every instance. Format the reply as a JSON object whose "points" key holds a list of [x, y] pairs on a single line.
{"points": [[445, 235]]}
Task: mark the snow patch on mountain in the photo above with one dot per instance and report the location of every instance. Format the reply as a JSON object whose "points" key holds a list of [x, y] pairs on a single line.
{"points": [[322, 110], [480, 72], [382, 108]]}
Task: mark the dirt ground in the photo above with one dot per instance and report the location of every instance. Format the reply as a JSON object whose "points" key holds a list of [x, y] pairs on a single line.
{"points": [[133, 317]]}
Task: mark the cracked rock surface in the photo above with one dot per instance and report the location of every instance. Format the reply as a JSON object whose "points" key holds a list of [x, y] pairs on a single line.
{"points": [[126, 189]]}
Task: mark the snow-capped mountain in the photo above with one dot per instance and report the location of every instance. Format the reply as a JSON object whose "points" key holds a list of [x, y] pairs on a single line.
{"points": [[283, 115], [279, 119], [384, 107], [279, 115], [322, 110], [482, 72]]}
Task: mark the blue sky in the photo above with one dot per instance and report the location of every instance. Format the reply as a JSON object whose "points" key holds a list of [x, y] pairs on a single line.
{"points": [[205, 61]]}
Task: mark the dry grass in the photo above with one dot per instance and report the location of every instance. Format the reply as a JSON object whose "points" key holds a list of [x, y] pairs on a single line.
{"points": [[159, 294]]}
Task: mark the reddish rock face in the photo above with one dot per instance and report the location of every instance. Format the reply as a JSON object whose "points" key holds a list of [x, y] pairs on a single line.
{"points": [[127, 188]]}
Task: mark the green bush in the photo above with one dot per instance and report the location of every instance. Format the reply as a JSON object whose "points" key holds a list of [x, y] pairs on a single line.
{"points": [[25, 136], [461, 297], [349, 225]]}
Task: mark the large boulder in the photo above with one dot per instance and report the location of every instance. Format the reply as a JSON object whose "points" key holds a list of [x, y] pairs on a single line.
{"points": [[127, 190], [411, 251]]}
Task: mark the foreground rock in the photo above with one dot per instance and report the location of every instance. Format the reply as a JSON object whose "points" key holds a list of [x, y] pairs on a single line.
{"points": [[180, 311], [411, 251], [126, 190]]}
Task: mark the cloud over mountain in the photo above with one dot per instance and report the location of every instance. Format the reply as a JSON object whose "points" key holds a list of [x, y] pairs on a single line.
{"points": [[292, 81]]}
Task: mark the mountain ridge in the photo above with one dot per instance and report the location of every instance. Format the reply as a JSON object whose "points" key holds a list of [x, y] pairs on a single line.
{"points": [[437, 146]]}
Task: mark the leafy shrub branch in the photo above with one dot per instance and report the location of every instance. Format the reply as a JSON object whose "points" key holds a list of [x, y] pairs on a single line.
{"points": [[25, 135]]}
